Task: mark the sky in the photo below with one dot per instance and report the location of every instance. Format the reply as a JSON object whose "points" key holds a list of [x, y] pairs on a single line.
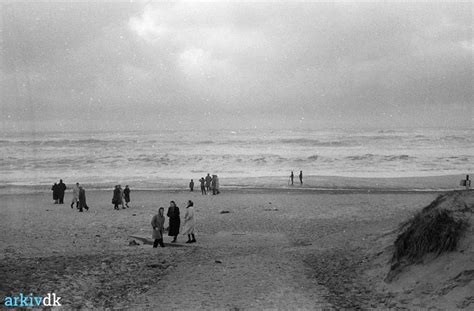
{"points": [[145, 65]]}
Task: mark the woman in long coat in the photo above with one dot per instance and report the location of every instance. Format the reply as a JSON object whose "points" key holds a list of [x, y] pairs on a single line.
{"points": [[175, 221], [82, 199], [117, 198], [158, 223], [189, 222]]}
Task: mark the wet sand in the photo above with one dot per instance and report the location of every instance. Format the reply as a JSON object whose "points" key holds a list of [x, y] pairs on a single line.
{"points": [[280, 248]]}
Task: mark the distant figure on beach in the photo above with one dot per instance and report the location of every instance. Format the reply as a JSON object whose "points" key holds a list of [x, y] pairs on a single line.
{"points": [[61, 188], [158, 223], [175, 221], [189, 223], [292, 176], [208, 182], [191, 185], [203, 186], [301, 177], [121, 196], [466, 182], [55, 193], [215, 185], [75, 196], [116, 199], [82, 199], [126, 195]]}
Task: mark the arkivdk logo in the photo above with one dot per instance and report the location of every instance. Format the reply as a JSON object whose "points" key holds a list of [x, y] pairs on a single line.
{"points": [[50, 300]]}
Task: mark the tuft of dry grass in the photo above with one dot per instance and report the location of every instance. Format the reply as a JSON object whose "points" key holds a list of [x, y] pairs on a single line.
{"points": [[432, 230]]}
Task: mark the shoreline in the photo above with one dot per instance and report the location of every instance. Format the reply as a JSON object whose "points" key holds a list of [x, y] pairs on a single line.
{"points": [[312, 183]]}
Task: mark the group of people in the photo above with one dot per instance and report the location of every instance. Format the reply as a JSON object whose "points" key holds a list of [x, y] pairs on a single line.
{"points": [[58, 192], [120, 196], [208, 184], [292, 176], [158, 224], [78, 195]]}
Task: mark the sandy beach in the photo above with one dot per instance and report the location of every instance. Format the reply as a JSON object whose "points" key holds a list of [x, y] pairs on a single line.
{"points": [[256, 249]]}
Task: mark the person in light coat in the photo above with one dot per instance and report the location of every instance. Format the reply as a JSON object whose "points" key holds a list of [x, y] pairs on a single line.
{"points": [[75, 196], [158, 223], [189, 222]]}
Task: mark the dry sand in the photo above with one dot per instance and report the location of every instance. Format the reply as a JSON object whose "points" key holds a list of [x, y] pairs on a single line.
{"points": [[285, 249]]}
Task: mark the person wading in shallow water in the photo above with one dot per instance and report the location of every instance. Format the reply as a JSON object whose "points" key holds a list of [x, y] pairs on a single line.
{"points": [[301, 177], [175, 221], [292, 176], [158, 223], [189, 222]]}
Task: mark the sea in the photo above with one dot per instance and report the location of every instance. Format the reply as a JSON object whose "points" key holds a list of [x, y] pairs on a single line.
{"points": [[166, 159]]}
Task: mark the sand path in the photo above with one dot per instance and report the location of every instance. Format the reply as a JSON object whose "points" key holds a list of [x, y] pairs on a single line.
{"points": [[237, 270]]}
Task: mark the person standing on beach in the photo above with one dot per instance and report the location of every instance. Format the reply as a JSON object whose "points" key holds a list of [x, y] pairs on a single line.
{"points": [[75, 196], [61, 188], [126, 195], [116, 199], [189, 222], [292, 176], [203, 186], [191, 186], [121, 197], [158, 223], [82, 199], [55, 193], [208, 182], [301, 177], [175, 221]]}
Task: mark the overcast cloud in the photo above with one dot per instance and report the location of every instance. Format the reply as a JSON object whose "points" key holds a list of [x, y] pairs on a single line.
{"points": [[144, 65]]}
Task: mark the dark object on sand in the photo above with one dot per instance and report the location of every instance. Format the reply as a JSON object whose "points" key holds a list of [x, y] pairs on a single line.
{"points": [[435, 229], [225, 212], [133, 243]]}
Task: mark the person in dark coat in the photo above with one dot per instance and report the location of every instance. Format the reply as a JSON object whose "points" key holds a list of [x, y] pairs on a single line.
{"points": [[82, 199], [158, 224], [191, 185], [175, 221], [292, 176], [126, 195], [61, 189], [203, 185], [117, 199], [301, 177], [208, 182], [55, 193]]}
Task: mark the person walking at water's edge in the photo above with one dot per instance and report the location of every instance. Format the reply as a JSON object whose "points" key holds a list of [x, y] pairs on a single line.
{"points": [[203, 185], [61, 189], [301, 177], [189, 222], [116, 199], [208, 183], [126, 195], [75, 196], [158, 223], [82, 199], [174, 220], [55, 193], [191, 185], [292, 176]]}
